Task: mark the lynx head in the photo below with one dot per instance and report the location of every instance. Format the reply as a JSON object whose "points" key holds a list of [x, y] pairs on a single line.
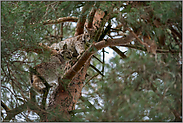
{"points": [[89, 33], [66, 53]]}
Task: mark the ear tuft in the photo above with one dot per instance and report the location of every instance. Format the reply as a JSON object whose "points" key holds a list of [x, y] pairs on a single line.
{"points": [[65, 46]]}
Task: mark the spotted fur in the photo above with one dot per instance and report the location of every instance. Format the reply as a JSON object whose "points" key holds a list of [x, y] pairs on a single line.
{"points": [[55, 67], [50, 71], [75, 44]]}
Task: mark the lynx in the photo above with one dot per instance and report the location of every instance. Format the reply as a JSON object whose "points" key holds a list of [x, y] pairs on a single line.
{"points": [[50, 71], [68, 49], [75, 44]]}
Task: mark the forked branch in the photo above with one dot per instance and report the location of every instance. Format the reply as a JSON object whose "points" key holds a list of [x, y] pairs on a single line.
{"points": [[92, 50]]}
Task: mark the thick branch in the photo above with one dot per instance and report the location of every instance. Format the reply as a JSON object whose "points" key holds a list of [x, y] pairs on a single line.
{"points": [[60, 20], [90, 18], [93, 49], [81, 21]]}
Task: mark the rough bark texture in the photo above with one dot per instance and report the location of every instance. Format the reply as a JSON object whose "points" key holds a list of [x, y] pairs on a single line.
{"points": [[65, 100], [82, 20]]}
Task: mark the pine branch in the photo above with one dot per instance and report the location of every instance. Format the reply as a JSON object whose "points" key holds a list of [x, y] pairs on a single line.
{"points": [[15, 111], [90, 18], [6, 108], [21, 108], [81, 21], [60, 20], [96, 70], [118, 51], [40, 49]]}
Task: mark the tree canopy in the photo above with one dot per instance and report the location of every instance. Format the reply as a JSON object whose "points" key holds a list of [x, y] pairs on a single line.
{"points": [[131, 70]]}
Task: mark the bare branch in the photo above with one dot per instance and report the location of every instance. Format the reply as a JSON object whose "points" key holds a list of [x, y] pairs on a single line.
{"points": [[98, 59], [118, 51], [96, 70], [81, 21], [90, 18], [60, 20], [137, 37], [6, 108]]}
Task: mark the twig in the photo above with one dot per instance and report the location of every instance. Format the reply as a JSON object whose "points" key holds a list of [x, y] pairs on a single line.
{"points": [[98, 59], [118, 51], [91, 79], [88, 103], [6, 108], [137, 37], [96, 70]]}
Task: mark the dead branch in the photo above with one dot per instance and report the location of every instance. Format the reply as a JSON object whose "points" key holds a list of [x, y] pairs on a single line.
{"points": [[90, 18], [6, 108], [81, 21], [60, 20], [96, 70], [118, 51]]}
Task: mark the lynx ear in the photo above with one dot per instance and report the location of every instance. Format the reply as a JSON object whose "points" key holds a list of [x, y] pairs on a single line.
{"points": [[65, 46], [89, 30]]}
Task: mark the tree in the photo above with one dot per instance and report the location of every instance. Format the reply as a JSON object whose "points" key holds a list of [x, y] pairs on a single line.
{"points": [[142, 83]]}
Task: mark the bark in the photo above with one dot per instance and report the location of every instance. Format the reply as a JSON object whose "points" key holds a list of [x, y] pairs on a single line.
{"points": [[65, 100], [90, 18], [60, 20], [81, 21], [98, 18]]}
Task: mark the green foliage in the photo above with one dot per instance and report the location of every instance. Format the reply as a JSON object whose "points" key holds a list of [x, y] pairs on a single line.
{"points": [[138, 88]]}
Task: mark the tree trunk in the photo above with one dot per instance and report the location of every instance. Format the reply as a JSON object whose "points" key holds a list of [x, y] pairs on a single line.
{"points": [[62, 101]]}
